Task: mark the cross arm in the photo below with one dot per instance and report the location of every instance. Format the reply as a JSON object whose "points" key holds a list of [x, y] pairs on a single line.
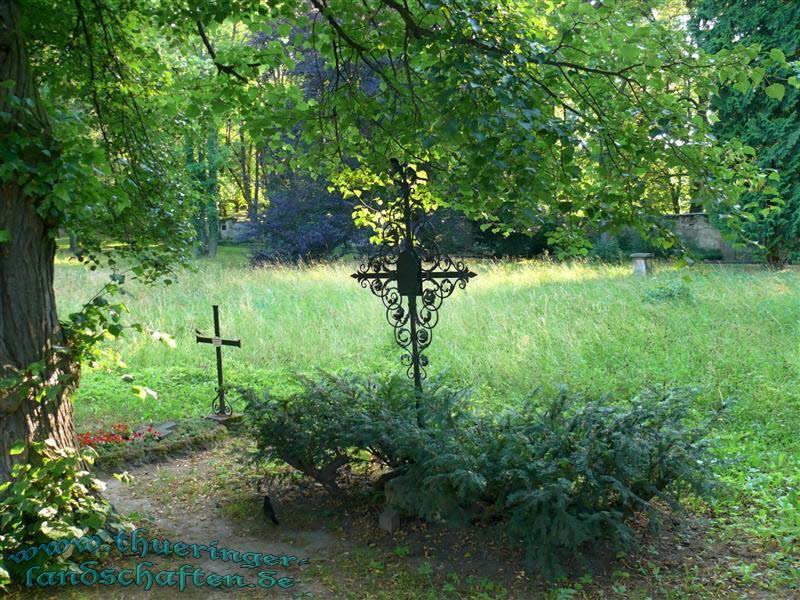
{"points": [[448, 275], [383, 275], [208, 340]]}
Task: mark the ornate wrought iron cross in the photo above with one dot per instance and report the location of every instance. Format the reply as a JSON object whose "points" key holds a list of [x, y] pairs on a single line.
{"points": [[218, 405], [410, 266]]}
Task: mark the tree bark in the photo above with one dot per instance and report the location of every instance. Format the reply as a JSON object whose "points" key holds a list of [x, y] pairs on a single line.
{"points": [[244, 161], [195, 169], [29, 329], [257, 182], [212, 191], [675, 195]]}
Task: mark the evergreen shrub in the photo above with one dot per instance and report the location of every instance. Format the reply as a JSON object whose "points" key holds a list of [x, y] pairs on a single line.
{"points": [[554, 473]]}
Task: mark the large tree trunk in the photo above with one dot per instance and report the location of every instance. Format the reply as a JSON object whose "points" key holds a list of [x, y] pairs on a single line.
{"points": [[196, 171], [29, 328], [675, 195]]}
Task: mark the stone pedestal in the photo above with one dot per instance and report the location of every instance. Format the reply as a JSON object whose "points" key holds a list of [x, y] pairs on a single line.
{"points": [[642, 263]]}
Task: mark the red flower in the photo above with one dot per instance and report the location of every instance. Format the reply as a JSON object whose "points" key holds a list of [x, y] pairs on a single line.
{"points": [[120, 433]]}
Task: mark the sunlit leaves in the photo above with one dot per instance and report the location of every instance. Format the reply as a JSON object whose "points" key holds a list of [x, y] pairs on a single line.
{"points": [[529, 106], [777, 55], [776, 90]]}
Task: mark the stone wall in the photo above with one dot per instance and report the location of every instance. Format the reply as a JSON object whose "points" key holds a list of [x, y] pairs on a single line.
{"points": [[235, 231], [697, 232]]}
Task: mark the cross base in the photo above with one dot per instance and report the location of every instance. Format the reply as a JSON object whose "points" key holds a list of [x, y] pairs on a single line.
{"points": [[232, 421]]}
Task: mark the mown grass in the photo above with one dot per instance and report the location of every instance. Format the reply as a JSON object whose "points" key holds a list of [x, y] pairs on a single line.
{"points": [[732, 331]]}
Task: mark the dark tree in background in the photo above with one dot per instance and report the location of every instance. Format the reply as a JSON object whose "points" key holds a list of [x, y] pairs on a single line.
{"points": [[203, 168], [305, 222], [772, 128]]}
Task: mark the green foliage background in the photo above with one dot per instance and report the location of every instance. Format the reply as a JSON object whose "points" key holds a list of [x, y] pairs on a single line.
{"points": [[772, 128]]}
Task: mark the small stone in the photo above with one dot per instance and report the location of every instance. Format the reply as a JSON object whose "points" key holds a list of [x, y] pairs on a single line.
{"points": [[161, 431], [389, 519], [127, 378], [165, 429]]}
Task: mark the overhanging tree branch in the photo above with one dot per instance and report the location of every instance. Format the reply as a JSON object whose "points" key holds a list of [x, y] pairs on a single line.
{"points": [[349, 41], [220, 67]]}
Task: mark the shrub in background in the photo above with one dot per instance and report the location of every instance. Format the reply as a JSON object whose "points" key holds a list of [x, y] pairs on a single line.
{"points": [[618, 246], [305, 222], [554, 473], [704, 254], [631, 240], [514, 245], [607, 249]]}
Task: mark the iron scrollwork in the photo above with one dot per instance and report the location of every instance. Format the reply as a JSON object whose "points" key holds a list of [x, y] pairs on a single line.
{"points": [[411, 276], [220, 406]]}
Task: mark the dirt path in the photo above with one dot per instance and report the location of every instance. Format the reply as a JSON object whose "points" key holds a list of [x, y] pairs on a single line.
{"points": [[204, 499]]}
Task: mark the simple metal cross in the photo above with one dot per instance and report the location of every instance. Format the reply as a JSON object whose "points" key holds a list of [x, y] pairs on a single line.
{"points": [[413, 268], [219, 406]]}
